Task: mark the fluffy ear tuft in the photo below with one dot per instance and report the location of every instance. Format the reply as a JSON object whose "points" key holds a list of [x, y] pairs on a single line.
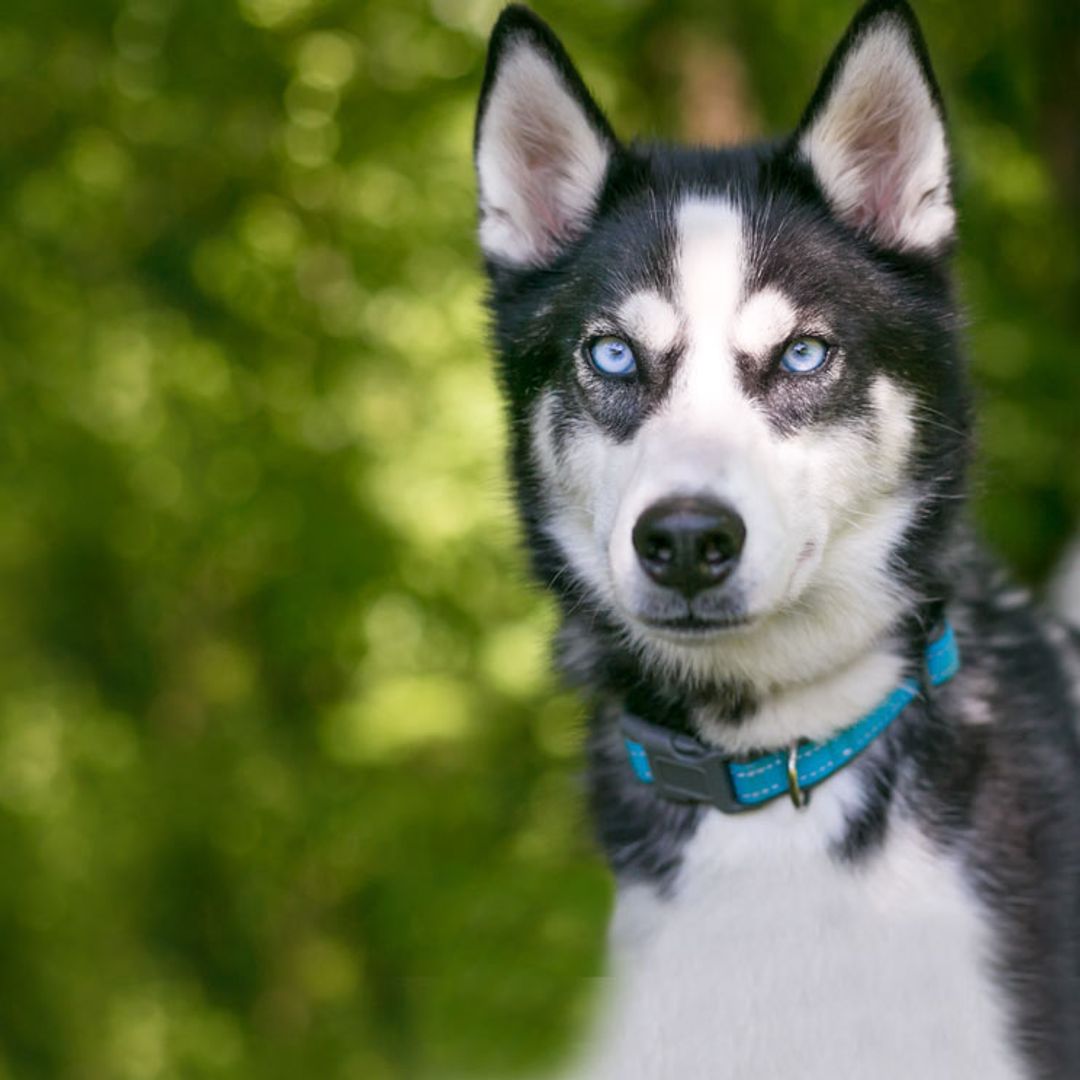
{"points": [[542, 145], [874, 133]]}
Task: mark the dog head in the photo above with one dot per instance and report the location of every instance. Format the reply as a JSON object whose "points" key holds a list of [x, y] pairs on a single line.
{"points": [[732, 374]]}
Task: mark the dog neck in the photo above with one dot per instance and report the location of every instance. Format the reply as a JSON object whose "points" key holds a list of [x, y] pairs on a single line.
{"points": [[643, 833], [741, 716], [812, 711]]}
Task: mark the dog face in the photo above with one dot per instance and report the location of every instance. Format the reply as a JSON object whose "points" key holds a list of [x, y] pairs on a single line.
{"points": [[729, 371]]}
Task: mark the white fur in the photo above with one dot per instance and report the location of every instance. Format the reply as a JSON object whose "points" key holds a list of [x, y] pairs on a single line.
{"points": [[540, 163], [1065, 592], [650, 318], [878, 147], [578, 499], [977, 703], [773, 960], [814, 710], [1066, 586], [765, 320]]}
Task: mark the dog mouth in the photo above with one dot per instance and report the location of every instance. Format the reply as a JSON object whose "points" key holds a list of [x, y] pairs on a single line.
{"points": [[695, 627]]}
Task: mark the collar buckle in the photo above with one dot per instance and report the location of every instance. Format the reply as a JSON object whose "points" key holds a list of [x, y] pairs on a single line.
{"points": [[679, 767]]}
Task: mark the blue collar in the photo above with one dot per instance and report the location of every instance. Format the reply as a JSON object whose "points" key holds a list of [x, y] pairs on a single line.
{"points": [[683, 769]]}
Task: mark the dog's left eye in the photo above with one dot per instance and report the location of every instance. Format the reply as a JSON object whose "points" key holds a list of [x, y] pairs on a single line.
{"points": [[612, 356], [804, 354]]}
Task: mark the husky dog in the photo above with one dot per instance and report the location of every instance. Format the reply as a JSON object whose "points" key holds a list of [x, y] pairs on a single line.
{"points": [[833, 756]]}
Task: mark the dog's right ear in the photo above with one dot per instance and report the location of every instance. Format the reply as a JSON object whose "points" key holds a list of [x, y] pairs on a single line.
{"points": [[542, 146]]}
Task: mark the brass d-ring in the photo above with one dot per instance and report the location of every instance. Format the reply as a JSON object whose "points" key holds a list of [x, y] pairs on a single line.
{"points": [[798, 797]]}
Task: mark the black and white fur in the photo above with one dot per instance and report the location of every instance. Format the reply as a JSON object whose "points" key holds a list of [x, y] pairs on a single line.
{"points": [[921, 918]]}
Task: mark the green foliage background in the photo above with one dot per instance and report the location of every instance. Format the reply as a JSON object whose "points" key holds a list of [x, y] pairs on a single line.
{"points": [[285, 787]]}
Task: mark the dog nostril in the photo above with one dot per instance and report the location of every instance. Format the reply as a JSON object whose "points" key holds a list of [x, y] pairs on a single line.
{"points": [[689, 544], [716, 549], [660, 550]]}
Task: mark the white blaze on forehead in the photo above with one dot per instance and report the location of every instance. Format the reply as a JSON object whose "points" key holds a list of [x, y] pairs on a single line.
{"points": [[709, 283], [710, 270], [650, 319], [765, 320]]}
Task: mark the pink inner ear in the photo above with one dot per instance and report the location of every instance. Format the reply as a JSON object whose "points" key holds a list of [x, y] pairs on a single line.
{"points": [[544, 158], [883, 155], [539, 185]]}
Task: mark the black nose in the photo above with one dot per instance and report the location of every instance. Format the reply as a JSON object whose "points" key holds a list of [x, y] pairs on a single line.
{"points": [[689, 544]]}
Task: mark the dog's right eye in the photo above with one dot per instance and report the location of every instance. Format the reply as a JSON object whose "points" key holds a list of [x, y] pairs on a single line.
{"points": [[612, 356]]}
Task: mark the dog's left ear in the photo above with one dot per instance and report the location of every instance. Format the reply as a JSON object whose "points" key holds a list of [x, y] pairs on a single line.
{"points": [[874, 134]]}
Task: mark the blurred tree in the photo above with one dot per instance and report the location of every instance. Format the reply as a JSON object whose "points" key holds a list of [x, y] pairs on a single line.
{"points": [[285, 787]]}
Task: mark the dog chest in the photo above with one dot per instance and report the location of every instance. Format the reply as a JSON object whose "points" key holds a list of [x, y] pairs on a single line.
{"points": [[771, 958]]}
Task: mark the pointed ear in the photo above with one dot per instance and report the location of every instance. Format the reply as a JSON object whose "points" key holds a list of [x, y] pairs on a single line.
{"points": [[542, 146], [874, 134]]}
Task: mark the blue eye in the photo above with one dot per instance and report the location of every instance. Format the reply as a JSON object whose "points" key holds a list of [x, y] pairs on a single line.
{"points": [[612, 356], [804, 354]]}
